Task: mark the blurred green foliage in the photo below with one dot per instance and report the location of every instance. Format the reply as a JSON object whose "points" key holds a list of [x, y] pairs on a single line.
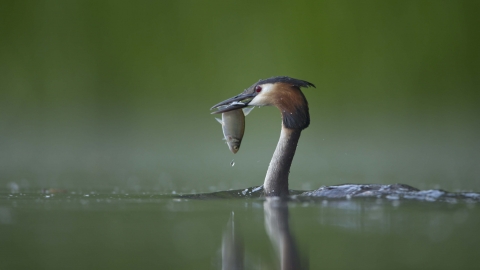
{"points": [[115, 94]]}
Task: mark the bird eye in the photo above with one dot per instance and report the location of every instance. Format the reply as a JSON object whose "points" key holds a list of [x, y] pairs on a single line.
{"points": [[258, 89]]}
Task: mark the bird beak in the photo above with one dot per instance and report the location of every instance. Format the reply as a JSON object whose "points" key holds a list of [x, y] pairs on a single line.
{"points": [[234, 103]]}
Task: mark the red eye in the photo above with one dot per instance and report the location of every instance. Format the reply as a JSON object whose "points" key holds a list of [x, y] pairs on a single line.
{"points": [[258, 89]]}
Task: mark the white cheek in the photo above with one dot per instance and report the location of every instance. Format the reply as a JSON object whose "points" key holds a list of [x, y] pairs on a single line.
{"points": [[259, 100], [262, 99]]}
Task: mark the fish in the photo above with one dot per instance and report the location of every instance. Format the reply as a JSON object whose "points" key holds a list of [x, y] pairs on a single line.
{"points": [[233, 126]]}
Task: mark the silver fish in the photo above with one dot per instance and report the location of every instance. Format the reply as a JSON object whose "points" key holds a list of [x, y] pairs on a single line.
{"points": [[233, 126]]}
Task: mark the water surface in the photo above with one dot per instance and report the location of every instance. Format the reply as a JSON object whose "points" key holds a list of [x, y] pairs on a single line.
{"points": [[60, 229]]}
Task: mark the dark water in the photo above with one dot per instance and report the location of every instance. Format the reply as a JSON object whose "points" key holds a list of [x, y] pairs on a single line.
{"points": [[59, 229]]}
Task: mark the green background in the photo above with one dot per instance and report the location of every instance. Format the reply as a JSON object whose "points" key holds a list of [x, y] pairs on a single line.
{"points": [[116, 95]]}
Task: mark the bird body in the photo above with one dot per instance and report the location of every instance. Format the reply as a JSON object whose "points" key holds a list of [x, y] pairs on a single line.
{"points": [[285, 94]]}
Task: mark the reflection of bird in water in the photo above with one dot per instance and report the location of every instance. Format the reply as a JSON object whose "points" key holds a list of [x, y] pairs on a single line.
{"points": [[232, 248], [283, 93], [278, 229]]}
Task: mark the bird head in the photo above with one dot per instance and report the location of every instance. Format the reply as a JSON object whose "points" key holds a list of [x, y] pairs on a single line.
{"points": [[282, 92]]}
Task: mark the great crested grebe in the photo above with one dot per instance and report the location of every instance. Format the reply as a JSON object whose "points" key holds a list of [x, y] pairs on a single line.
{"points": [[285, 94]]}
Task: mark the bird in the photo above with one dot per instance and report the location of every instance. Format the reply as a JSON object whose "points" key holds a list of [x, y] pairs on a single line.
{"points": [[284, 93]]}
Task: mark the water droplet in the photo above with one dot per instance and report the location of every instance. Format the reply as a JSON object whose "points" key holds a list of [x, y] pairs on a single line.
{"points": [[395, 203], [232, 163]]}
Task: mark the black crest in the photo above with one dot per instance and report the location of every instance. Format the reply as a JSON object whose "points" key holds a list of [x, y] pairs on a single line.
{"points": [[285, 79]]}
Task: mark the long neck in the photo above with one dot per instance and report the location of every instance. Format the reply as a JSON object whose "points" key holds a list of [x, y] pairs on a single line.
{"points": [[276, 181]]}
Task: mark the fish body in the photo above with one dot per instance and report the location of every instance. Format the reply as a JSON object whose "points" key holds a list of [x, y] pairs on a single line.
{"points": [[233, 126]]}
